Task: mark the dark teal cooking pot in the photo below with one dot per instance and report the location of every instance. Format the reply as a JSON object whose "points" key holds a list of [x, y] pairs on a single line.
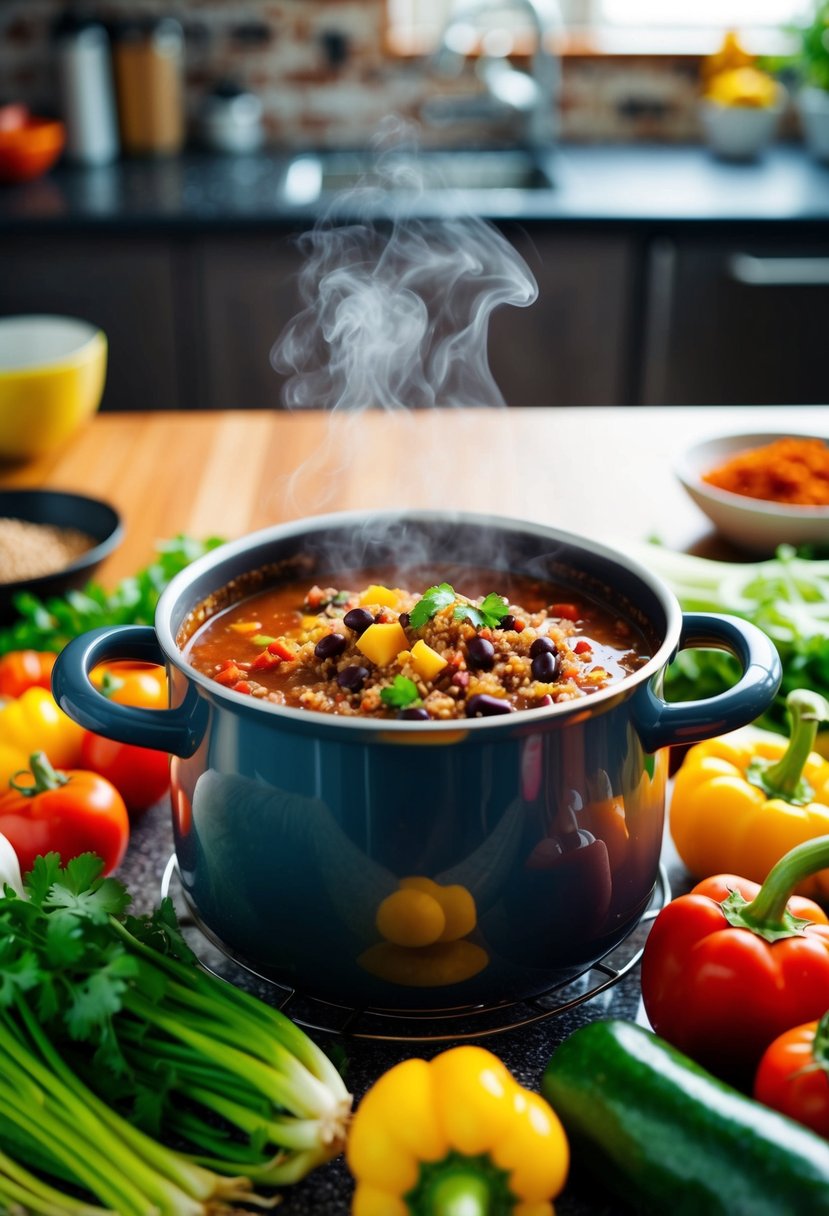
{"points": [[536, 835]]}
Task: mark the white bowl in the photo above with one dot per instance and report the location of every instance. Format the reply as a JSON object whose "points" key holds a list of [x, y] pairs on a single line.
{"points": [[751, 523], [739, 132]]}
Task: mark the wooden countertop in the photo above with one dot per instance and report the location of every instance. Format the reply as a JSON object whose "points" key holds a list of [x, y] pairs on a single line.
{"points": [[605, 473]]}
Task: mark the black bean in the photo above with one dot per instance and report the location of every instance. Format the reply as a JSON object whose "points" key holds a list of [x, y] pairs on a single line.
{"points": [[352, 678], [416, 713], [480, 653], [358, 620], [482, 705], [545, 666], [540, 645], [330, 646], [507, 622], [404, 619]]}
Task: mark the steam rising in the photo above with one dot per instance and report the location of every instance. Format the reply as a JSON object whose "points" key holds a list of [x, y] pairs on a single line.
{"points": [[397, 312], [395, 319]]}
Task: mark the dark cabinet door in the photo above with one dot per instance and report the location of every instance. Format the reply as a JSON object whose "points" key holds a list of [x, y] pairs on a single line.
{"points": [[569, 348], [124, 284], [247, 293], [736, 323], [572, 346]]}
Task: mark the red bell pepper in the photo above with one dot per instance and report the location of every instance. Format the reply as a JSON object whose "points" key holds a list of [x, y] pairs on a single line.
{"points": [[732, 965], [793, 1076]]}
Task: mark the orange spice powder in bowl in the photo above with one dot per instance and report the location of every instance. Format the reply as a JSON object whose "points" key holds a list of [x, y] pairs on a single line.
{"points": [[792, 470], [761, 490]]}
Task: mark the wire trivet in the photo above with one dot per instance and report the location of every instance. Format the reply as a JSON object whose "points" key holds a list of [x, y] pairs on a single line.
{"points": [[411, 1025]]}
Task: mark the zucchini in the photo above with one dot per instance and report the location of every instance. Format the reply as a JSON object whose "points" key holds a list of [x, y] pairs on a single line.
{"points": [[659, 1130]]}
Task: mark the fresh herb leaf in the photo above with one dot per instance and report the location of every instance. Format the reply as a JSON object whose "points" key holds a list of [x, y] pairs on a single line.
{"points": [[431, 602], [488, 614], [50, 624], [401, 693]]}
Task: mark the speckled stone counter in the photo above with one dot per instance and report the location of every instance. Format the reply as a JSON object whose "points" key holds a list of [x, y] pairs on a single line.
{"points": [[629, 185]]}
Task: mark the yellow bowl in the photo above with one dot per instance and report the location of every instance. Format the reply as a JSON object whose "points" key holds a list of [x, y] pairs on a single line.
{"points": [[52, 372]]}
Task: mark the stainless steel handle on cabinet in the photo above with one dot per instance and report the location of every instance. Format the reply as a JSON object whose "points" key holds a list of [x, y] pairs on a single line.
{"points": [[753, 271]]}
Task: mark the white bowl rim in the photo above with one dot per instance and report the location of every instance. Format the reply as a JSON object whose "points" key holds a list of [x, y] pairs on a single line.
{"points": [[79, 332], [731, 443]]}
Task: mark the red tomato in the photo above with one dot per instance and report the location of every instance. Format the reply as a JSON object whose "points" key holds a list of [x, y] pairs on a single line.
{"points": [[24, 669], [67, 813], [792, 1076], [140, 774]]}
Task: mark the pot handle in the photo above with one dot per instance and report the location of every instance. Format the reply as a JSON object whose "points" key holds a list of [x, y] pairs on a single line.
{"points": [[660, 723], [178, 730]]}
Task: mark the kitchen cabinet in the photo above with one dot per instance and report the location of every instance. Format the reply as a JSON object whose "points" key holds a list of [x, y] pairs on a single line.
{"points": [[128, 285], [568, 348], [247, 292], [734, 320], [571, 347]]}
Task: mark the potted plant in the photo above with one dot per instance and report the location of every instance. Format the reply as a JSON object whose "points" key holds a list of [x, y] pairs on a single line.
{"points": [[810, 64]]}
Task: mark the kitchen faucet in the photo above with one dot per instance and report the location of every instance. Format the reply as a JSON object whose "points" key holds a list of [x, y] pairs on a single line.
{"points": [[486, 26]]}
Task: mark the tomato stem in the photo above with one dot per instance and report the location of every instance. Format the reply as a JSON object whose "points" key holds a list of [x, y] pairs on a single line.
{"points": [[784, 778], [44, 777], [766, 914]]}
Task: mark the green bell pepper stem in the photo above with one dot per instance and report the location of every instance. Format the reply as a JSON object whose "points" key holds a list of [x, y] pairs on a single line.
{"points": [[784, 778], [461, 1194], [766, 914], [45, 776]]}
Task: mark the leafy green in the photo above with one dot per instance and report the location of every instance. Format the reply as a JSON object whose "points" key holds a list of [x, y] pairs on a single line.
{"points": [[109, 1035], [490, 612], [401, 693], [431, 602], [786, 596], [50, 624]]}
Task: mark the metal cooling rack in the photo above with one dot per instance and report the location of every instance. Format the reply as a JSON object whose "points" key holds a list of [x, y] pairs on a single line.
{"points": [[385, 1025]]}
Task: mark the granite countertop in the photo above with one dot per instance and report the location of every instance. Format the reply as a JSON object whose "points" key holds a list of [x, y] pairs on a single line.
{"points": [[629, 186]]}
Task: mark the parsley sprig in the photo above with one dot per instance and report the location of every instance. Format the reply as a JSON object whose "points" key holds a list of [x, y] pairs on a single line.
{"points": [[489, 613], [430, 603], [112, 1034], [400, 694]]}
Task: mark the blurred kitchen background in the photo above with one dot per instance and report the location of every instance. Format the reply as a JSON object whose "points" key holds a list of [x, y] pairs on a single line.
{"points": [[660, 164]]}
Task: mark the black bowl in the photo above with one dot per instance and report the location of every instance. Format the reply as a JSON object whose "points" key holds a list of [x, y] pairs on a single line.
{"points": [[61, 509]]}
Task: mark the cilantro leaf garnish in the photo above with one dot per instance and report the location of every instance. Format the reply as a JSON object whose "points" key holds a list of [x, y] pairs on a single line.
{"points": [[401, 693], [431, 602], [489, 613]]}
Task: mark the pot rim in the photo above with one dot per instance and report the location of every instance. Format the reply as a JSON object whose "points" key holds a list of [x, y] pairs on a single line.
{"points": [[298, 527]]}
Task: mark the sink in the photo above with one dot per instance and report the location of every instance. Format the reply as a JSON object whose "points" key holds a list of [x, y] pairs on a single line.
{"points": [[308, 177]]}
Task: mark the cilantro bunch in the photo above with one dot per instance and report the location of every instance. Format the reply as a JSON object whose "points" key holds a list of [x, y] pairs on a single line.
{"points": [[111, 1036]]}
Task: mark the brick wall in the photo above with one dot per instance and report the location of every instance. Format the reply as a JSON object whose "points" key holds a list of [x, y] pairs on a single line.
{"points": [[326, 79]]}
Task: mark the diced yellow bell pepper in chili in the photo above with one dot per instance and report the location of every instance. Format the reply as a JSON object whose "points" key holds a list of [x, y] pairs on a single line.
{"points": [[379, 596], [738, 806], [381, 643], [455, 1134], [426, 661], [34, 722]]}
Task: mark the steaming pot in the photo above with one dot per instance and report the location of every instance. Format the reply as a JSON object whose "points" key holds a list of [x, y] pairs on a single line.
{"points": [[538, 831]]}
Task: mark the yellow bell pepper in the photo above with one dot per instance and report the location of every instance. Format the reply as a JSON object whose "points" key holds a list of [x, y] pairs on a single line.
{"points": [[739, 803], [455, 1134], [33, 722]]}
